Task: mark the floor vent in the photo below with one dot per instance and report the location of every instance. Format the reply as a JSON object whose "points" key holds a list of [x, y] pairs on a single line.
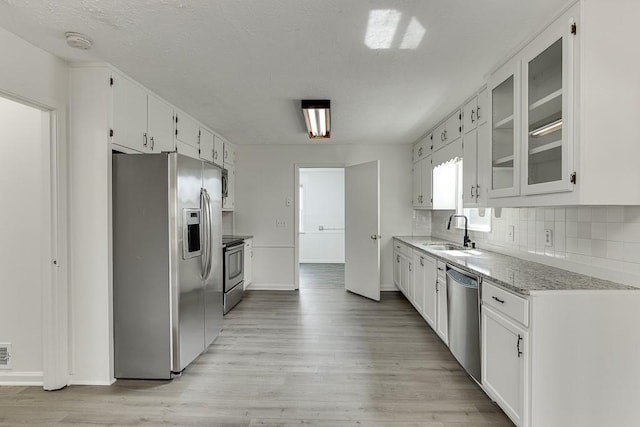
{"points": [[5, 356]]}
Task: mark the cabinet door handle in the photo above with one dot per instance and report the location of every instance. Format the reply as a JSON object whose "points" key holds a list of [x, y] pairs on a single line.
{"points": [[501, 301], [473, 113], [441, 269], [215, 155], [478, 113], [411, 270], [420, 152], [397, 258], [477, 192], [153, 143], [421, 261], [445, 135], [518, 345], [472, 195], [144, 139]]}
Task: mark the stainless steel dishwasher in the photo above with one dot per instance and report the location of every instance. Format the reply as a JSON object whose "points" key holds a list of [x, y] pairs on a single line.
{"points": [[464, 320]]}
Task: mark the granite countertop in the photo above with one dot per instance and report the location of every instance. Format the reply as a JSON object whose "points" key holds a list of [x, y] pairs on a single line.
{"points": [[235, 236], [515, 274]]}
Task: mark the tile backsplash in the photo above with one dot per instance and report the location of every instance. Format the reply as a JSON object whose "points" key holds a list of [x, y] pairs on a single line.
{"points": [[601, 241]]}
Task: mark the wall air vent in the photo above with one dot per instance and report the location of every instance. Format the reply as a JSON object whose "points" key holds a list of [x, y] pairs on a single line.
{"points": [[5, 356]]}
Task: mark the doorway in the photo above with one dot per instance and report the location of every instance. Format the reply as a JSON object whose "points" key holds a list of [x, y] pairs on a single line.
{"points": [[321, 227], [30, 315]]}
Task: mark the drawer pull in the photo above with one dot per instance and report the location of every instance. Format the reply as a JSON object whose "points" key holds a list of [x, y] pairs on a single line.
{"points": [[501, 301]]}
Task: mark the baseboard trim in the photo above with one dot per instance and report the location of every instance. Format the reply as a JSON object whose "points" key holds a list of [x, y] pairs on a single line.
{"points": [[92, 382], [22, 379], [388, 287], [270, 287]]}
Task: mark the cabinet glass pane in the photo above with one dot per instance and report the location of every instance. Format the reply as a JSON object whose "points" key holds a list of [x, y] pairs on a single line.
{"points": [[502, 141], [544, 152]]}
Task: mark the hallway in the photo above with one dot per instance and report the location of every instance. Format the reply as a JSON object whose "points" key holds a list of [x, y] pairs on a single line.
{"points": [[321, 357]]}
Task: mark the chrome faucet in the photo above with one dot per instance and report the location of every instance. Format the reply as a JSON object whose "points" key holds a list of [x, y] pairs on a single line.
{"points": [[467, 240]]}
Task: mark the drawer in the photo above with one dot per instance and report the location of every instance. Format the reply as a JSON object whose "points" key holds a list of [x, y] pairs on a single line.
{"points": [[505, 302], [402, 249]]}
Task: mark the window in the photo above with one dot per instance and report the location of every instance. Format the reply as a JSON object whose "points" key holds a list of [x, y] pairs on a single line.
{"points": [[447, 195]]}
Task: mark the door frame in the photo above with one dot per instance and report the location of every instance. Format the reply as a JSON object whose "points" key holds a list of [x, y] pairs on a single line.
{"points": [[54, 243], [296, 213]]}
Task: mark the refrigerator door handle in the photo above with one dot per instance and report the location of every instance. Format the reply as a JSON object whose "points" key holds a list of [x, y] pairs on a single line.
{"points": [[205, 233], [209, 240]]}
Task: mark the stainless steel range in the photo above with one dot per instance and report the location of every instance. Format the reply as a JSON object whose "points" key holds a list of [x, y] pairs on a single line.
{"points": [[233, 267]]}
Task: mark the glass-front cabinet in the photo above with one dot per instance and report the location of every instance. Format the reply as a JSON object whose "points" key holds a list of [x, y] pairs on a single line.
{"points": [[531, 105], [504, 99], [547, 71]]}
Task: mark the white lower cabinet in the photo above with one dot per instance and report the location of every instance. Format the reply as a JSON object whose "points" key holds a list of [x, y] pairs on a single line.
{"points": [[549, 359], [504, 362], [442, 311], [419, 265]]}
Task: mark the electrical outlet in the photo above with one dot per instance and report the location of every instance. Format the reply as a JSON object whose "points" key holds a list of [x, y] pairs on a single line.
{"points": [[511, 232], [281, 223], [548, 237]]}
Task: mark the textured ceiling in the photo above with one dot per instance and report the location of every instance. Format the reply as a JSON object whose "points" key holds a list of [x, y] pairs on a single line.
{"points": [[242, 66]]}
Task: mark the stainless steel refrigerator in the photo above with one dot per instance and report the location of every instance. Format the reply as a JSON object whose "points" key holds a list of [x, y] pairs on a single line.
{"points": [[167, 262]]}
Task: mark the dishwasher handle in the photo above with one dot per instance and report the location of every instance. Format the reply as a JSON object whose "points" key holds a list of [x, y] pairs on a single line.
{"points": [[462, 279]]}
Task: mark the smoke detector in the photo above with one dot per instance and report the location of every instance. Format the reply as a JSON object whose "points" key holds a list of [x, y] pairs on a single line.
{"points": [[78, 41]]}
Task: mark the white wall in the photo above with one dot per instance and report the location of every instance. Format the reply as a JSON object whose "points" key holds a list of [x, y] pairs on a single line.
{"points": [[322, 193], [21, 192], [265, 179], [36, 76]]}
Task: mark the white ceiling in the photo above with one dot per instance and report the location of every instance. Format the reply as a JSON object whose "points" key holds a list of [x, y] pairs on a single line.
{"points": [[242, 66]]}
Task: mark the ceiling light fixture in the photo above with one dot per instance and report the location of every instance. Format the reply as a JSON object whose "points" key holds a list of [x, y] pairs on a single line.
{"points": [[78, 40], [317, 116], [547, 129]]}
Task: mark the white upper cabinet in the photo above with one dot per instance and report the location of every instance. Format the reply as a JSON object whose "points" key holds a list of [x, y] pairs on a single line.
{"points": [[504, 101], [422, 148], [229, 154], [448, 131], [159, 125], [482, 110], [129, 124], [547, 99], [475, 155], [206, 145], [187, 129], [422, 186], [141, 121], [218, 151], [470, 115]]}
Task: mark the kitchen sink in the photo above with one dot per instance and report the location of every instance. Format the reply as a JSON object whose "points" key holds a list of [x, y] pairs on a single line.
{"points": [[444, 247]]}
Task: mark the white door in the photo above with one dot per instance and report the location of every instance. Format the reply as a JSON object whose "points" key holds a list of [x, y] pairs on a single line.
{"points": [[362, 229]]}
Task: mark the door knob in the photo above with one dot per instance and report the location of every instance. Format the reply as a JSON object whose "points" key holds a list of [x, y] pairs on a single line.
{"points": [[375, 236]]}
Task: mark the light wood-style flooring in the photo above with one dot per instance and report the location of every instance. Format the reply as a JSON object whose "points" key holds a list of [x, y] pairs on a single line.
{"points": [[316, 358], [321, 276]]}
